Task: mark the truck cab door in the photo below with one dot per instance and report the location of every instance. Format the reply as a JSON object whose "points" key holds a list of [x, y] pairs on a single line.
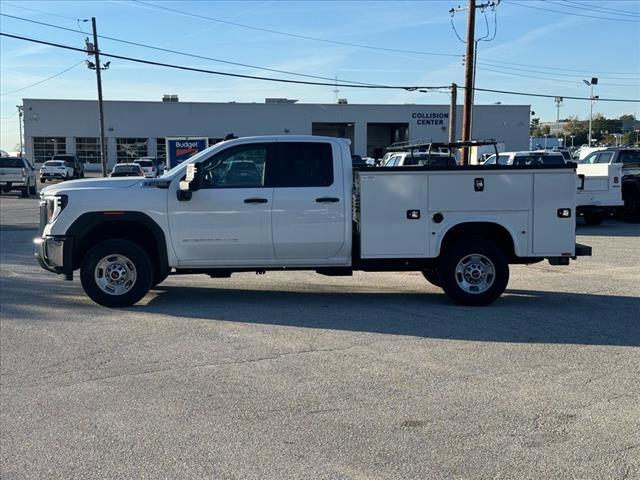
{"points": [[309, 204], [228, 221]]}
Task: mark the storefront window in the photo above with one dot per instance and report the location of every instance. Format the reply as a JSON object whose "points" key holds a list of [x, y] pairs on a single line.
{"points": [[88, 149], [131, 148], [46, 147], [161, 150]]}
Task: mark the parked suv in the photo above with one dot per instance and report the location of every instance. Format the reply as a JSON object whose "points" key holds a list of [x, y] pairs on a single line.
{"points": [[78, 166], [148, 167], [420, 159], [630, 160], [17, 173], [528, 158], [56, 169]]}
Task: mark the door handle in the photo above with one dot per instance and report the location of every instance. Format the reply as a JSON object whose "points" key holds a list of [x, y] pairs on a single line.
{"points": [[255, 200], [327, 200]]}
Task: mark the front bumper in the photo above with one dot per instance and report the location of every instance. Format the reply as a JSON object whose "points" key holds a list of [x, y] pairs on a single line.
{"points": [[54, 254]]}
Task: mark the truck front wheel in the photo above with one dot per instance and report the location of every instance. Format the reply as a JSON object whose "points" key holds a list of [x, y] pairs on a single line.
{"points": [[433, 277], [474, 272], [116, 273]]}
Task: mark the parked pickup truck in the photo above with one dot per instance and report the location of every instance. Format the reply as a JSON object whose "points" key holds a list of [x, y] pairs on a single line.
{"points": [[625, 164], [599, 192], [297, 203], [17, 173]]}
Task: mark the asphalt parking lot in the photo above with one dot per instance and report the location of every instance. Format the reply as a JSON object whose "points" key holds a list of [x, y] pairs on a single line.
{"points": [[296, 375]]}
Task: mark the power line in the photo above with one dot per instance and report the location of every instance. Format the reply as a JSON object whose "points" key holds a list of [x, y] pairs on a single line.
{"points": [[192, 55], [566, 97], [550, 67], [573, 75], [595, 8], [538, 77], [42, 11], [226, 74], [422, 89], [554, 68], [513, 2], [293, 35], [42, 81]]}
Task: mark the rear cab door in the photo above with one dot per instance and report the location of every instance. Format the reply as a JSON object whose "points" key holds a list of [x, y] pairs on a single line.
{"points": [[311, 203]]}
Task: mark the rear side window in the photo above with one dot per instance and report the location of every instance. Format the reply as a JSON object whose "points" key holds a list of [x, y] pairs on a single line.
{"points": [[630, 157], [9, 162], [303, 164], [604, 157]]}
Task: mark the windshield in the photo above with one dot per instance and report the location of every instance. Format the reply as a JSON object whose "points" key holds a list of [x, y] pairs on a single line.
{"points": [[11, 162]]}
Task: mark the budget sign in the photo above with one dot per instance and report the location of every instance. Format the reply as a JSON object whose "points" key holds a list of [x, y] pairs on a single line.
{"points": [[181, 148]]}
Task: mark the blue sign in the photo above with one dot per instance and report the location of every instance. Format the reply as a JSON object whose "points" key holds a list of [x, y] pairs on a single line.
{"points": [[180, 149]]}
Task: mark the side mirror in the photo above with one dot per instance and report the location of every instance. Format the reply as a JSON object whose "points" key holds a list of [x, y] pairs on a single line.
{"points": [[192, 182]]}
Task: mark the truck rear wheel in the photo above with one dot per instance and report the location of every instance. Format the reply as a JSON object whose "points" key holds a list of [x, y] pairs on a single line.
{"points": [[116, 273], [632, 205], [474, 272]]}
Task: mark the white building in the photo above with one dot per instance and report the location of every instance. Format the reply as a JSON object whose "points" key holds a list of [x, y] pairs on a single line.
{"points": [[135, 129]]}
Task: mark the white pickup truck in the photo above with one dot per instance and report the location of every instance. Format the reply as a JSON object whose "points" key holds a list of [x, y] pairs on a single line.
{"points": [[297, 203]]}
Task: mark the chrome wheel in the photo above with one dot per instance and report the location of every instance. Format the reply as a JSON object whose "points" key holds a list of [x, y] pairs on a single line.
{"points": [[475, 273], [115, 274]]}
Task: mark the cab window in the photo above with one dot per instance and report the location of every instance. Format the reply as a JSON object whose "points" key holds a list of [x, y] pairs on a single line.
{"points": [[242, 166], [303, 164]]}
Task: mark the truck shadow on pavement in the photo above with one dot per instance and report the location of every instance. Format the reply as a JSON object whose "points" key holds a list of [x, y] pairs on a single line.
{"points": [[608, 228], [520, 316]]}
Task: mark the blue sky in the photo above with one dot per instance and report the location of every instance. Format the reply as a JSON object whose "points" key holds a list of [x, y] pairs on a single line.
{"points": [[540, 46]]}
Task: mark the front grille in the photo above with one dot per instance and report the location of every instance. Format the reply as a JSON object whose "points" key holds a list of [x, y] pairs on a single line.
{"points": [[43, 217]]}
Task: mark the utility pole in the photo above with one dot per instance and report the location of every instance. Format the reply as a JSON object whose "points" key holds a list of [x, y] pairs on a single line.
{"points": [[558, 101], [20, 127], [452, 112], [470, 67], [468, 80], [93, 49]]}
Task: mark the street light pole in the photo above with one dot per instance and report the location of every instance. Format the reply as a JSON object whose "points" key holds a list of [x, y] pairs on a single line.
{"points": [[594, 81], [20, 127]]}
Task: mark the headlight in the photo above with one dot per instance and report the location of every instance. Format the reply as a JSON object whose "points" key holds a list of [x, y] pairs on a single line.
{"points": [[54, 206]]}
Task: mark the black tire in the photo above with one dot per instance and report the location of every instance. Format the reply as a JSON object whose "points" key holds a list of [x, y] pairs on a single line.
{"points": [[159, 279], [135, 254], [483, 249], [24, 193], [632, 206], [43, 180], [433, 277], [593, 218], [33, 190]]}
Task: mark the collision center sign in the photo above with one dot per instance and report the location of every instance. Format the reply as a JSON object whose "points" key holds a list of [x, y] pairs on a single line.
{"points": [[430, 118], [181, 148]]}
